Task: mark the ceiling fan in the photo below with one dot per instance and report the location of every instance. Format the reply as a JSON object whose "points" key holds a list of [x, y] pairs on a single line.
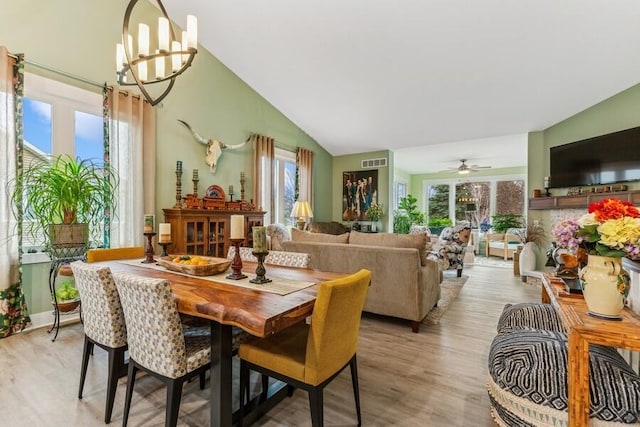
{"points": [[464, 168]]}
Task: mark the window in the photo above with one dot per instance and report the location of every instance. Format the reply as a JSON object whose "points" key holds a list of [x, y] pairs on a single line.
{"points": [[474, 200], [401, 191], [284, 187], [60, 119]]}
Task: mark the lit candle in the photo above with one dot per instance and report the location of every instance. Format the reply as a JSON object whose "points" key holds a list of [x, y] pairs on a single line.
{"points": [[149, 223], [237, 226], [192, 32], [143, 40], [259, 240], [165, 232], [231, 189], [163, 34]]}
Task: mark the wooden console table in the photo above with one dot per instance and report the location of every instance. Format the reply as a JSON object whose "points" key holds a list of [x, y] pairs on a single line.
{"points": [[584, 330]]}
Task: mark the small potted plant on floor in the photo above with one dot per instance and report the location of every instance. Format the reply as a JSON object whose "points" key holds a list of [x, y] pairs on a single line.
{"points": [[67, 296]]}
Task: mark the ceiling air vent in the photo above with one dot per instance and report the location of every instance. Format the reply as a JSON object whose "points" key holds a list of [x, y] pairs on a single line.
{"points": [[374, 163]]}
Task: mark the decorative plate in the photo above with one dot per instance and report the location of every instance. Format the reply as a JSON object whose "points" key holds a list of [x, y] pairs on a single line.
{"points": [[216, 192]]}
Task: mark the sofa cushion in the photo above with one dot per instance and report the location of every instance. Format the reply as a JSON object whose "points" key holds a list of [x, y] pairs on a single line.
{"points": [[306, 236], [390, 240], [332, 227]]}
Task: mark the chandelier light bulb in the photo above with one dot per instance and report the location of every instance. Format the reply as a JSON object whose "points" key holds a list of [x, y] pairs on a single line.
{"points": [[143, 40], [163, 34]]}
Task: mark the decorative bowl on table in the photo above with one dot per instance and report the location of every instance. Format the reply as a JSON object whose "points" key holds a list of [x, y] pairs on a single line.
{"points": [[195, 265]]}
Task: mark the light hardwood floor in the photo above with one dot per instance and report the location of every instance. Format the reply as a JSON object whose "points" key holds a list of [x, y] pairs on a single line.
{"points": [[433, 378]]}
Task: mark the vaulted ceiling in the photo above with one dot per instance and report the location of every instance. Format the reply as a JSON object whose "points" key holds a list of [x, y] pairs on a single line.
{"points": [[413, 75]]}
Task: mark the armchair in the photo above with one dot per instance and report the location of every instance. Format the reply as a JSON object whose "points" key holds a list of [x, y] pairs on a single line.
{"points": [[503, 244], [451, 247]]}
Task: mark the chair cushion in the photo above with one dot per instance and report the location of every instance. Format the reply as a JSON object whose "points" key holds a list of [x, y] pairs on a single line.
{"points": [[530, 315], [391, 240], [306, 236], [528, 381], [284, 352]]}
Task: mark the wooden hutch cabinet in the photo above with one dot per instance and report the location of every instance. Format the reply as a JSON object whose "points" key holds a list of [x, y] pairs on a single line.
{"points": [[206, 232]]}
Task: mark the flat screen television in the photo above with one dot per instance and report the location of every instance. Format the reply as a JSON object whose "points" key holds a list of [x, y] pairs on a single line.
{"points": [[605, 159]]}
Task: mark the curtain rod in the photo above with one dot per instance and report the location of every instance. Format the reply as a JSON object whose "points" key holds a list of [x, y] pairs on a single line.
{"points": [[72, 76]]}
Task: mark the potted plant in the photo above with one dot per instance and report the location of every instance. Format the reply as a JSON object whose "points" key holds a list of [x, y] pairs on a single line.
{"points": [[406, 215], [436, 225], [67, 296], [374, 213], [502, 222], [64, 200]]}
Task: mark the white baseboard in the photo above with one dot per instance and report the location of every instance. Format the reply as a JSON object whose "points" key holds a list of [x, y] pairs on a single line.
{"points": [[45, 319]]}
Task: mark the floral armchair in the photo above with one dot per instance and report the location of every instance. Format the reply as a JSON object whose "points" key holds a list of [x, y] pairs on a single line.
{"points": [[450, 249]]}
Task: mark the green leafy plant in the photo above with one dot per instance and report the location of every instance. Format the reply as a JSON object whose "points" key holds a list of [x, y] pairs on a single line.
{"points": [[374, 213], [439, 222], [406, 215], [67, 291], [401, 223], [63, 190], [502, 222]]}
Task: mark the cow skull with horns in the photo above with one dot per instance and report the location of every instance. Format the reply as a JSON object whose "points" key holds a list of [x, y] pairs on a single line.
{"points": [[214, 147]]}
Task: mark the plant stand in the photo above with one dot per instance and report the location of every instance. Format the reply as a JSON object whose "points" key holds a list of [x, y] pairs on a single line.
{"points": [[59, 257]]}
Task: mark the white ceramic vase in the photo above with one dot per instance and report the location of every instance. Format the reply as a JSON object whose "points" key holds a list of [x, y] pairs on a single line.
{"points": [[605, 286], [527, 260]]}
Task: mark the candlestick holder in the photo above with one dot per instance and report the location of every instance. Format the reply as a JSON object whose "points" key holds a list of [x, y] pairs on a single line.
{"points": [[547, 193], [236, 263], [148, 251], [195, 186], [178, 189], [242, 182], [164, 248], [260, 270]]}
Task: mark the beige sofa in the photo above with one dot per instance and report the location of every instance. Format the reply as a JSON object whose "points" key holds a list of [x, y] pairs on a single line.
{"points": [[404, 283]]}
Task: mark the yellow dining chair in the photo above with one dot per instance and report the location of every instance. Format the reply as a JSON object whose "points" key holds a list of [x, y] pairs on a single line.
{"points": [[95, 255], [310, 356]]}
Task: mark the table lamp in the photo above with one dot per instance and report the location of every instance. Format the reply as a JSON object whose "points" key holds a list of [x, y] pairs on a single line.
{"points": [[301, 210]]}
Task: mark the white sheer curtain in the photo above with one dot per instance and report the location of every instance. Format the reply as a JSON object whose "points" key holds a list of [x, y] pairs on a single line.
{"points": [[132, 147]]}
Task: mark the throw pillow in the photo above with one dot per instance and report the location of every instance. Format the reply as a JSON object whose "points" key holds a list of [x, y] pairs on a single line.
{"points": [[305, 236], [390, 240]]}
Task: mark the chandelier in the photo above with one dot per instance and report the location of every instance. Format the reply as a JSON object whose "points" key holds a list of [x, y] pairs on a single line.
{"points": [[166, 62]]}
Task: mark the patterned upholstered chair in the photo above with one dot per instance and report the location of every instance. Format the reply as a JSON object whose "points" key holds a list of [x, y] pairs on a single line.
{"points": [[284, 258], [310, 356], [277, 233], [157, 344], [450, 249], [104, 325]]}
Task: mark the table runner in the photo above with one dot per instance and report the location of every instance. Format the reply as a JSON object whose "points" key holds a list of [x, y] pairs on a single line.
{"points": [[278, 285]]}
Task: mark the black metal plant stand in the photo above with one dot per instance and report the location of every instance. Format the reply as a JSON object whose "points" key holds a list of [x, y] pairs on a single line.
{"points": [[59, 257]]}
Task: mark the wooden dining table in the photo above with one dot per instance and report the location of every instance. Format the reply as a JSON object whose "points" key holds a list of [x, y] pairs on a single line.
{"points": [[255, 311]]}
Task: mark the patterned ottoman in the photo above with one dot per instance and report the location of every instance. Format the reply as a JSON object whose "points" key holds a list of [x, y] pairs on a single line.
{"points": [[530, 315], [527, 381]]}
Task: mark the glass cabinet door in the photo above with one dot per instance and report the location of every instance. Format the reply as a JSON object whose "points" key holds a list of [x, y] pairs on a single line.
{"points": [[195, 236], [216, 239]]}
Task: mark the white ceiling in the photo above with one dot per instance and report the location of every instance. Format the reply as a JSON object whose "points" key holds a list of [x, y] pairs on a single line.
{"points": [[365, 75]]}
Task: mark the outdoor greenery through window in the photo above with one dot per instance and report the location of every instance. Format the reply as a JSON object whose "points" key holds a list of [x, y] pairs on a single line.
{"points": [[285, 187], [475, 200]]}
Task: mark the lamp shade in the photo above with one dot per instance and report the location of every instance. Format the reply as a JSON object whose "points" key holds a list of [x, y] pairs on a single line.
{"points": [[301, 209]]}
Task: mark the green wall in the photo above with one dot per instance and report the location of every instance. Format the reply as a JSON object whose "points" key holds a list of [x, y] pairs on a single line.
{"points": [[78, 37], [353, 162]]}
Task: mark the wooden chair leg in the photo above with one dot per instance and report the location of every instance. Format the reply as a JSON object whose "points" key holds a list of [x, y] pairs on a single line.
{"points": [[203, 378], [116, 361], [460, 273], [244, 390], [356, 388], [131, 379], [88, 350], [415, 326], [174, 395], [316, 405]]}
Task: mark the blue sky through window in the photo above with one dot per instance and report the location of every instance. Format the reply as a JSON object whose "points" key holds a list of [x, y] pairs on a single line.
{"points": [[89, 141], [37, 124]]}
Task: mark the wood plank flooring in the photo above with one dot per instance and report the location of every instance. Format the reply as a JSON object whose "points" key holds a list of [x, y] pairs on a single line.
{"points": [[434, 378]]}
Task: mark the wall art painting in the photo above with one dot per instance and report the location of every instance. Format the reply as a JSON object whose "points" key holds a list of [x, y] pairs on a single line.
{"points": [[359, 191]]}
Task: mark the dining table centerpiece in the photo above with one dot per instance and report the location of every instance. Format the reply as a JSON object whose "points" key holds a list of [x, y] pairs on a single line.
{"points": [[600, 238]]}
